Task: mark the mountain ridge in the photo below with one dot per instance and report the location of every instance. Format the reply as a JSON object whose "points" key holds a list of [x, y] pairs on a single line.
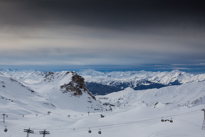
{"points": [[117, 80], [138, 80]]}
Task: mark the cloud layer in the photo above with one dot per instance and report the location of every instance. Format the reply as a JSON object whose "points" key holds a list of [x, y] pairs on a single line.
{"points": [[96, 32]]}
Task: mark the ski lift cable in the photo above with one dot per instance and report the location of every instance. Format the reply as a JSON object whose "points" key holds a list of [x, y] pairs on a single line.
{"points": [[119, 123], [77, 130], [13, 126], [107, 126], [25, 115], [85, 129], [111, 125], [14, 129], [134, 121]]}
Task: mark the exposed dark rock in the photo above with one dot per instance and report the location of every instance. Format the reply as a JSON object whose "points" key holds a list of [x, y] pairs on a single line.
{"points": [[71, 87], [108, 104], [80, 81], [92, 95], [77, 85], [49, 73], [155, 104], [13, 80], [49, 76], [67, 72]]}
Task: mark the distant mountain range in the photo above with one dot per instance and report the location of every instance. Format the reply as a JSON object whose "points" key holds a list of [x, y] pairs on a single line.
{"points": [[107, 82], [102, 83], [60, 101]]}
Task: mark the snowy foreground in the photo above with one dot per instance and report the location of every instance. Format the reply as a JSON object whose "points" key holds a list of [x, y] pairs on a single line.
{"points": [[148, 125], [132, 113]]}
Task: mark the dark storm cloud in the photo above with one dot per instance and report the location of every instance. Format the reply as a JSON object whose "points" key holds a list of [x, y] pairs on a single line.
{"points": [[104, 13], [102, 31]]}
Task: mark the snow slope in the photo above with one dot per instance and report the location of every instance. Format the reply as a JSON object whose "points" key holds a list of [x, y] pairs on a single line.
{"points": [[136, 113], [180, 96], [50, 89], [27, 99], [17, 98]]}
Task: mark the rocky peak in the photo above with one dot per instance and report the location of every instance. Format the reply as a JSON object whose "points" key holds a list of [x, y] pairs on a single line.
{"points": [[72, 82], [49, 76], [79, 81], [77, 86]]}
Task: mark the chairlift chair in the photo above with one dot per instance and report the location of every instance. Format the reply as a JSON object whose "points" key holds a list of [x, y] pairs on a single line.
{"points": [[89, 131], [171, 120], [99, 132]]}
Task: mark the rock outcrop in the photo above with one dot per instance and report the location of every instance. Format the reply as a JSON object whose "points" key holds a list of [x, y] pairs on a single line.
{"points": [[77, 85], [49, 76]]}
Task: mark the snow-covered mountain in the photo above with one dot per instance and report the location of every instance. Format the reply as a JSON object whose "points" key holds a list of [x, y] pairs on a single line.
{"points": [[138, 80], [55, 85], [60, 101], [28, 76], [61, 90], [178, 96], [58, 93], [102, 83]]}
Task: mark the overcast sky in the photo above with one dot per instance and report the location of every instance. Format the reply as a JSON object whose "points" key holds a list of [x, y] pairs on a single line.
{"points": [[102, 32]]}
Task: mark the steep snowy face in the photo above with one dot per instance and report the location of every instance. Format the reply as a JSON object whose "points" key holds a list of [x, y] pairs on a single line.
{"points": [[20, 99], [138, 80]]}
